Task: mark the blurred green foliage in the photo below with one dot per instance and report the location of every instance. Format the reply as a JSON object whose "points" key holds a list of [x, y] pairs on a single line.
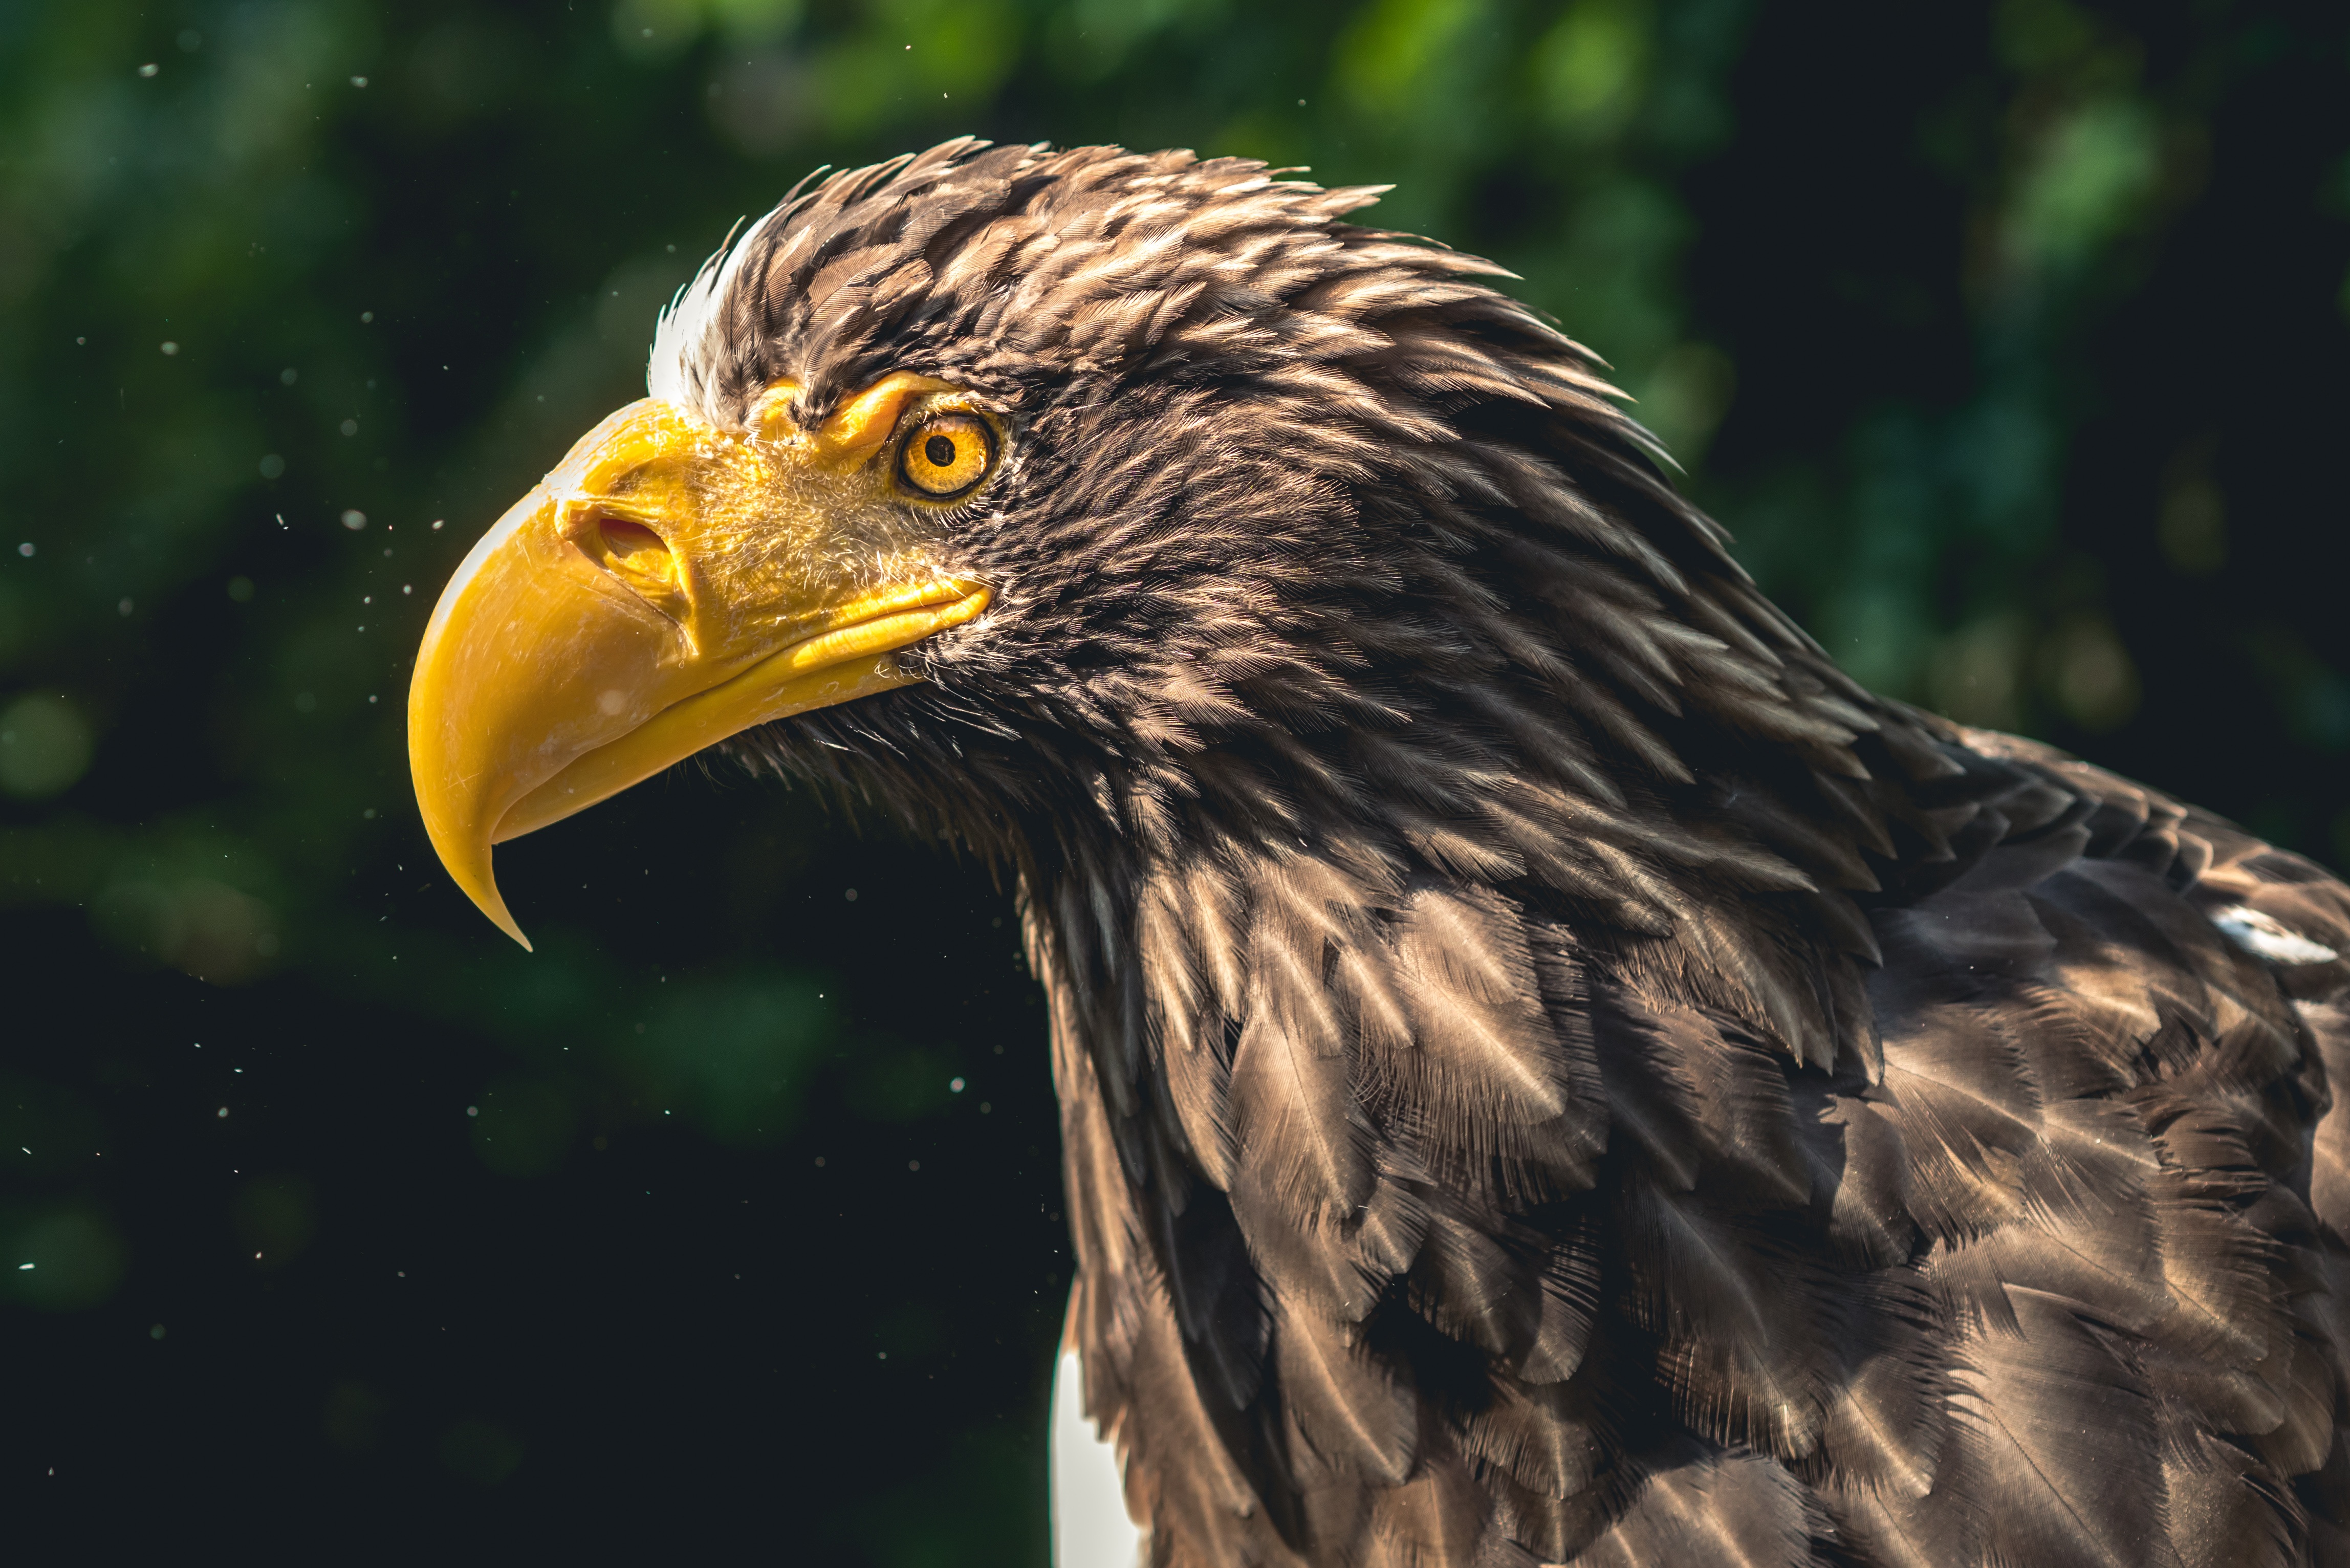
{"points": [[2010, 337]]}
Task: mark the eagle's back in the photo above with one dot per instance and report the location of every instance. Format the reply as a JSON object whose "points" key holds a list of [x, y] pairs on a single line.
{"points": [[1593, 1271]]}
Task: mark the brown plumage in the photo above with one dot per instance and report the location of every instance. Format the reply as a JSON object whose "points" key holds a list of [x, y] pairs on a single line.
{"points": [[1552, 1071]]}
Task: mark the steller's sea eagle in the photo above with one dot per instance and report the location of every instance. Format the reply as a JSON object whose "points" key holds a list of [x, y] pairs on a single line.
{"points": [[1551, 1070]]}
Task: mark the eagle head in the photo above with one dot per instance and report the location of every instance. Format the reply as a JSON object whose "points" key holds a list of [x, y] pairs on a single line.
{"points": [[1150, 492]]}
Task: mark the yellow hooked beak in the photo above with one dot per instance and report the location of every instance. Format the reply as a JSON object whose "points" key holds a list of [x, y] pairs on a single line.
{"points": [[669, 585]]}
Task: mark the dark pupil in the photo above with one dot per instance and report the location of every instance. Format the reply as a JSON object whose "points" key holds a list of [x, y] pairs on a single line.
{"points": [[940, 449]]}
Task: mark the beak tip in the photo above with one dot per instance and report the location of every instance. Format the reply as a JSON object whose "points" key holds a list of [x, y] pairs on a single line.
{"points": [[478, 882], [494, 905]]}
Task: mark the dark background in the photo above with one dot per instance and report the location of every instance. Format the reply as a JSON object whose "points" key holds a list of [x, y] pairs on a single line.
{"points": [[2009, 338]]}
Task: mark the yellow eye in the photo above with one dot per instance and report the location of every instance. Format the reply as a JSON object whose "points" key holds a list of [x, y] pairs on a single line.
{"points": [[947, 454]]}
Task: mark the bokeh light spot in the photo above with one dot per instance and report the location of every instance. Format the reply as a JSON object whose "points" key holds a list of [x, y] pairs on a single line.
{"points": [[45, 746], [67, 1260]]}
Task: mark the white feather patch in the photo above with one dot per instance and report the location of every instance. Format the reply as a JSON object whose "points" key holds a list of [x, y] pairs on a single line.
{"points": [[1090, 1527], [2266, 939], [680, 367]]}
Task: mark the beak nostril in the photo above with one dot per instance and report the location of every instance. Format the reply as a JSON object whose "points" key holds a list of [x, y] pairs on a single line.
{"points": [[627, 540], [635, 554]]}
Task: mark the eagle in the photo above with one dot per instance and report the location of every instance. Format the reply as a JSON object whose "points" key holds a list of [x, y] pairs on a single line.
{"points": [[1552, 1071]]}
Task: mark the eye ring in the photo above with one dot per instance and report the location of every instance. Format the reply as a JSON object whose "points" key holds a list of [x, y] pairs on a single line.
{"points": [[946, 455]]}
